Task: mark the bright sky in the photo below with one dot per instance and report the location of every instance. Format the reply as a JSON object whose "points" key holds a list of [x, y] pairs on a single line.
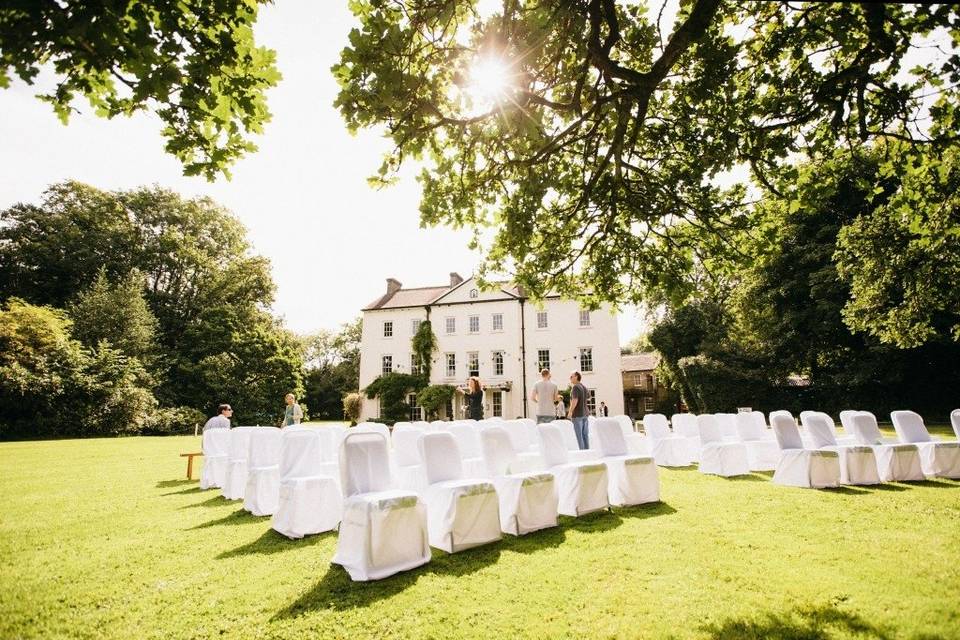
{"points": [[303, 196]]}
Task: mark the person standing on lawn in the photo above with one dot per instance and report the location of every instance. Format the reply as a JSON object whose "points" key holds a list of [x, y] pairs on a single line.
{"points": [[603, 411], [293, 414], [474, 398], [577, 412], [545, 394]]}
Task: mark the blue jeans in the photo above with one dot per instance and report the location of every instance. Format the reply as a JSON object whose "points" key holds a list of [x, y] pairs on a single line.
{"points": [[583, 432]]}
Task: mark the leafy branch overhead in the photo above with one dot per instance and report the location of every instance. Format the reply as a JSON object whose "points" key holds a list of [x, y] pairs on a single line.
{"points": [[599, 162], [195, 63]]}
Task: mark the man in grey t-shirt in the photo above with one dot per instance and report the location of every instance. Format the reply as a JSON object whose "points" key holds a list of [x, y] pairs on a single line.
{"points": [[545, 394], [578, 410]]}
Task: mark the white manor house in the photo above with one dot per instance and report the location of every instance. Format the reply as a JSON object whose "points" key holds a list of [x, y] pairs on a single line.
{"points": [[498, 335]]}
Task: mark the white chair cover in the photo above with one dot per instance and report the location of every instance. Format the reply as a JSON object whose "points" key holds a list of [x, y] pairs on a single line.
{"points": [[309, 500], [467, 435], [626, 423], [762, 450], [846, 420], [400, 426], [236, 481], [574, 452], [439, 425], [685, 426], [528, 501], [858, 464], [520, 434], [955, 422], [937, 458], [630, 479], [216, 456], [262, 494], [669, 450], [800, 467], [408, 469], [581, 486], [330, 439], [759, 419], [806, 416], [384, 531], [718, 456], [895, 462], [461, 512], [728, 425], [373, 427]]}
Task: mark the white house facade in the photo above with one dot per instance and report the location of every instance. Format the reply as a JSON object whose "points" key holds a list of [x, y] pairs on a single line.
{"points": [[499, 336]]}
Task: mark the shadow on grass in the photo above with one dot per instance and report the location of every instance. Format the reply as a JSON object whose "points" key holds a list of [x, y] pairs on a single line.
{"points": [[847, 490], [802, 623], [184, 492], [273, 542], [336, 591], [755, 476], [166, 484], [941, 483], [240, 516], [887, 486], [215, 501]]}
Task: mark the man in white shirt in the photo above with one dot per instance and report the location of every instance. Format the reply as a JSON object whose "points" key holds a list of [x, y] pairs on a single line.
{"points": [[221, 420], [545, 394]]}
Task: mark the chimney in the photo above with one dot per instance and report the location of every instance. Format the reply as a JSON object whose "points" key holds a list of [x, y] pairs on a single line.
{"points": [[455, 279], [393, 285]]}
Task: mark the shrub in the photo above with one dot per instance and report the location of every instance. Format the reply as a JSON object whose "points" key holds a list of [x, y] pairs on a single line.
{"points": [[392, 389], [352, 405], [434, 397], [174, 420]]}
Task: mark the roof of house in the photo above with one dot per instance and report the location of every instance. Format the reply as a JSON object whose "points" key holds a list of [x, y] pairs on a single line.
{"points": [[639, 361], [416, 297]]}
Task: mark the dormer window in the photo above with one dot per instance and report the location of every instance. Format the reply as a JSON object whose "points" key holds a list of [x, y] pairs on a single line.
{"points": [[474, 293]]}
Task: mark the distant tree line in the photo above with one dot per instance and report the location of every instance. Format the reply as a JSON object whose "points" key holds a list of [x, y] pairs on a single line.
{"points": [[135, 312]]}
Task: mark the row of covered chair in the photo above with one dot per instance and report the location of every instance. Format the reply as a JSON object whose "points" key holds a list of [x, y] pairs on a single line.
{"points": [[816, 456], [451, 486]]}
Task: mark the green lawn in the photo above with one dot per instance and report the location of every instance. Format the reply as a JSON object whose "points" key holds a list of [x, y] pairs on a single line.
{"points": [[103, 538]]}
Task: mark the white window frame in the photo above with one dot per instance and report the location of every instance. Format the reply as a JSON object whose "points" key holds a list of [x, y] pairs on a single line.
{"points": [[384, 367], [414, 364], [450, 325], [591, 402], [447, 358], [584, 318], [585, 351], [473, 324], [388, 329], [649, 404], [473, 357], [543, 322], [638, 380], [496, 401], [498, 363], [541, 365], [416, 411], [497, 317], [415, 325]]}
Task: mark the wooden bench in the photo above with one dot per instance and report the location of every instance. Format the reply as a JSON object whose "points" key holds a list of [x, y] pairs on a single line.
{"points": [[190, 457]]}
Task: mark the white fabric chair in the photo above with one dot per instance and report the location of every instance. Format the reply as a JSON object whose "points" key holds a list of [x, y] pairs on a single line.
{"points": [[574, 452], [373, 427], [728, 425], [895, 462], [400, 426], [669, 450], [330, 438], [407, 466], [384, 530], [630, 479], [685, 426], [806, 416], [637, 443], [846, 421], [759, 419], [216, 457], [439, 425], [461, 512], [467, 436], [938, 458], [262, 493], [528, 501], [236, 480], [858, 463], [955, 422], [309, 500], [521, 435], [718, 456], [581, 486], [762, 450], [798, 466]]}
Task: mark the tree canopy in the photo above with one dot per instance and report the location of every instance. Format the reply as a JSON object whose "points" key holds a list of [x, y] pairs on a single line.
{"points": [[602, 153], [195, 63]]}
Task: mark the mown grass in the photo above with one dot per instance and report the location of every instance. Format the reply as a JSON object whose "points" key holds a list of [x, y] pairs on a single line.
{"points": [[103, 538]]}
